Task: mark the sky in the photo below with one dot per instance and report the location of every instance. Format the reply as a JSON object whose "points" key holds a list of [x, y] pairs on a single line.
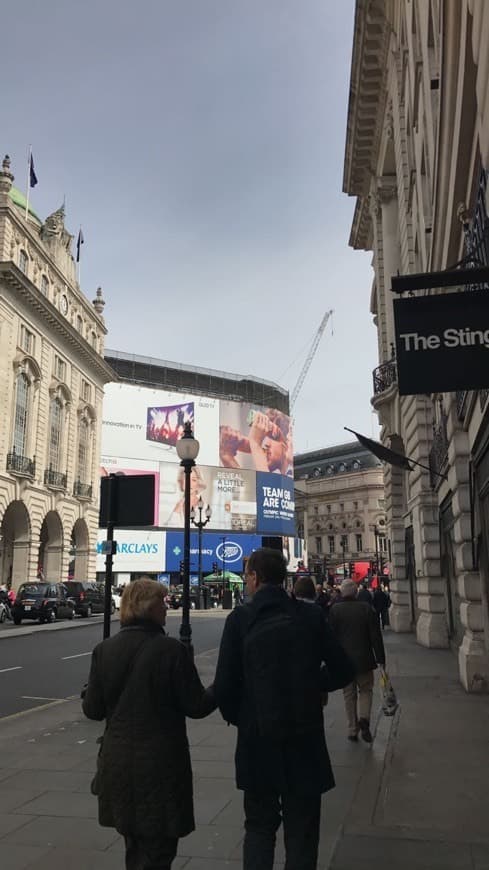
{"points": [[200, 145]]}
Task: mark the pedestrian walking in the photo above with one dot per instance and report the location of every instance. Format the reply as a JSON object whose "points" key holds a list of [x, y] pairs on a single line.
{"points": [[357, 628], [364, 594], [144, 684], [381, 603], [269, 682]]}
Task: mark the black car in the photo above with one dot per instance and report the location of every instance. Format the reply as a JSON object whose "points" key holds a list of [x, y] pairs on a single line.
{"points": [[88, 597], [43, 601]]}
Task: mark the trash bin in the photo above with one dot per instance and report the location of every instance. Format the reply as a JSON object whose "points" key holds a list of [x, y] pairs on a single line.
{"points": [[227, 600]]}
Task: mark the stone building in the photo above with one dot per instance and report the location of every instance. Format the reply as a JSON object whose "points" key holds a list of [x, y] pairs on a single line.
{"points": [[340, 511], [52, 373], [417, 155]]}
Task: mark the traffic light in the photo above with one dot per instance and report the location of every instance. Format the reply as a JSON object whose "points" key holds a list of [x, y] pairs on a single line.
{"points": [[214, 567], [182, 566], [352, 568]]}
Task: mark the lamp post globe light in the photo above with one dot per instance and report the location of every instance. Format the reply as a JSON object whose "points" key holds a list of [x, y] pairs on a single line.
{"points": [[187, 449], [200, 524]]}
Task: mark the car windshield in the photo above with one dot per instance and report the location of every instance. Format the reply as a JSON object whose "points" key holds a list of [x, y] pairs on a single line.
{"points": [[35, 590]]}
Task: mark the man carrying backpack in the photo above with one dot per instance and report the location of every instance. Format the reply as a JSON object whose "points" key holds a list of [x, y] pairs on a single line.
{"points": [[277, 658]]}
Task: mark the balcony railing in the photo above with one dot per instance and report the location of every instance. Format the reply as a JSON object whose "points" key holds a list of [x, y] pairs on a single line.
{"points": [[55, 479], [22, 465], [82, 490], [439, 452], [384, 376]]}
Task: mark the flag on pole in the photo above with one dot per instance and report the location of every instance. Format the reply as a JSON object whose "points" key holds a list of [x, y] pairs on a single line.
{"points": [[32, 173], [79, 243], [383, 453]]}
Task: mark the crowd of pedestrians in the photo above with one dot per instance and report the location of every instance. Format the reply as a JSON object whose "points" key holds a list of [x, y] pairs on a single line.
{"points": [[281, 653]]}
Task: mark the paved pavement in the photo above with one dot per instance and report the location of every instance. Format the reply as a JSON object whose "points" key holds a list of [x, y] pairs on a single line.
{"points": [[416, 800]]}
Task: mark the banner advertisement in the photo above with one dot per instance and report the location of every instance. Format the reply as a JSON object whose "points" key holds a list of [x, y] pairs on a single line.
{"points": [[255, 438], [442, 342], [137, 550], [225, 550], [144, 423], [275, 504], [230, 494]]}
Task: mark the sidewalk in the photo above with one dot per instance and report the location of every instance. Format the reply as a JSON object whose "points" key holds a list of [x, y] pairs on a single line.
{"points": [[417, 800]]}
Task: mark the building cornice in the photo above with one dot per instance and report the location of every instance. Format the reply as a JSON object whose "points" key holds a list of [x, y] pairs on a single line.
{"points": [[366, 104], [22, 287]]}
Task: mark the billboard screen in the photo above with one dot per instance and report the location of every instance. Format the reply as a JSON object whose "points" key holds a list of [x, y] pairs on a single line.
{"points": [[245, 451]]}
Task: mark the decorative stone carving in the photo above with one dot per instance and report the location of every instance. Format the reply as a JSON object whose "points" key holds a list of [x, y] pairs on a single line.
{"points": [[53, 229], [99, 302], [6, 177]]}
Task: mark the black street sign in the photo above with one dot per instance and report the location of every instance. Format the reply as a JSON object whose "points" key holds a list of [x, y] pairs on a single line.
{"points": [[132, 501], [442, 342]]}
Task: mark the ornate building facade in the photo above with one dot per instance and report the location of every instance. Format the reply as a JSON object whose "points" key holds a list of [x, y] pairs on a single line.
{"points": [[52, 373], [340, 509], [417, 159]]}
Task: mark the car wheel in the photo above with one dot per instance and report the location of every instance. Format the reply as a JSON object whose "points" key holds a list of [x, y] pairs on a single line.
{"points": [[71, 614], [51, 616], [88, 611], [3, 616], [17, 621]]}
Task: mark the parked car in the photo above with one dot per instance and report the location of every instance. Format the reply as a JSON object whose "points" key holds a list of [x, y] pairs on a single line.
{"points": [[43, 601], [89, 598], [175, 597]]}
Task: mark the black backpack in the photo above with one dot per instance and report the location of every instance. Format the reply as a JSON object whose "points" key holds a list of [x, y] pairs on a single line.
{"points": [[281, 667]]}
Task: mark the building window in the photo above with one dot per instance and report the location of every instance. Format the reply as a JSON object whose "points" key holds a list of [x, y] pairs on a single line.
{"points": [[344, 542], [328, 508], [300, 530], [26, 340], [383, 543], [319, 546], [331, 544], [23, 261], [86, 391], [83, 450], [381, 503], [93, 340], [44, 285], [342, 466], [359, 543], [59, 368], [356, 464], [355, 505], [342, 506], [330, 469], [21, 416], [55, 433], [79, 324], [316, 509]]}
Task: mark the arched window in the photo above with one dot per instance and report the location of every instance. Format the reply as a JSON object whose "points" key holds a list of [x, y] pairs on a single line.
{"points": [[55, 433], [21, 416], [44, 285], [23, 261], [83, 450]]}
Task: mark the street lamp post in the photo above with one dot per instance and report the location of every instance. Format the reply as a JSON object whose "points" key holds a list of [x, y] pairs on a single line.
{"points": [[200, 524], [376, 532], [343, 547], [187, 449]]}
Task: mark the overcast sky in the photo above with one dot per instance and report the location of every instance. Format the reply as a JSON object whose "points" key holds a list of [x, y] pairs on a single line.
{"points": [[200, 145]]}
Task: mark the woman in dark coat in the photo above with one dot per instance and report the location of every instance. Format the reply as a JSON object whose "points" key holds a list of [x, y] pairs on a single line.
{"points": [[145, 684]]}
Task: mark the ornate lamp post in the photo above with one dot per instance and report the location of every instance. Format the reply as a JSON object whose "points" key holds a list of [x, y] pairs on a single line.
{"points": [[187, 449], [200, 524]]}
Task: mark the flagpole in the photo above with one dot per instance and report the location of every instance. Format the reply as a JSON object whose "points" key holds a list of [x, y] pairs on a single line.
{"points": [[28, 186]]}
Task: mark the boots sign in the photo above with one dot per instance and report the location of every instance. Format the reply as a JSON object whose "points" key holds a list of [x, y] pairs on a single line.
{"points": [[442, 342]]}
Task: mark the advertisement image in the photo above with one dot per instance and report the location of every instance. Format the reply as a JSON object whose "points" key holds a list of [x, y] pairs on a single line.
{"points": [[135, 424], [275, 504], [137, 550], [231, 495], [227, 551], [165, 425], [255, 438]]}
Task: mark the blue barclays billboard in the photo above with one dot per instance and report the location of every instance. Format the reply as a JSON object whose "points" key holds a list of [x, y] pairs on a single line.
{"points": [[275, 504], [228, 550]]}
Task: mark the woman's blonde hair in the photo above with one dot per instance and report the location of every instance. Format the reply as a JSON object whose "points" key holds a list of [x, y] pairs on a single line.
{"points": [[139, 598]]}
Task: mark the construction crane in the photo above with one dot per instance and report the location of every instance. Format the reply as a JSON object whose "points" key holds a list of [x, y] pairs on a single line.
{"points": [[310, 357]]}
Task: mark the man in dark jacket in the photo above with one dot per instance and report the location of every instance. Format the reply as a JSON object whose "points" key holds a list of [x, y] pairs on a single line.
{"points": [[269, 680], [364, 594], [356, 626], [382, 602]]}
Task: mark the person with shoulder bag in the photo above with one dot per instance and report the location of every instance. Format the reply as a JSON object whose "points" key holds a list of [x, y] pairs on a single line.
{"points": [[144, 684], [276, 660]]}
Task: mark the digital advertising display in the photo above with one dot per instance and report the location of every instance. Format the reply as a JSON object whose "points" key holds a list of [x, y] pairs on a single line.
{"points": [[244, 470]]}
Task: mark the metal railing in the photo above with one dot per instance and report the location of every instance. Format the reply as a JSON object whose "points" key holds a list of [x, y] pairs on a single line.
{"points": [[55, 479], [384, 376], [82, 490], [18, 464], [438, 458]]}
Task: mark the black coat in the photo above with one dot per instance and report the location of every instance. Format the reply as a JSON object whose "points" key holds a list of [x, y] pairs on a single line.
{"points": [[381, 601], [364, 595], [299, 764], [356, 626], [145, 786]]}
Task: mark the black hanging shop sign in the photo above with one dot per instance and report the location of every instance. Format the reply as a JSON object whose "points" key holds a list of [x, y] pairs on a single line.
{"points": [[442, 342]]}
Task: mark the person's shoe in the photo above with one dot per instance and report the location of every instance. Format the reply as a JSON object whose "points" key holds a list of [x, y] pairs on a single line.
{"points": [[364, 726], [353, 738]]}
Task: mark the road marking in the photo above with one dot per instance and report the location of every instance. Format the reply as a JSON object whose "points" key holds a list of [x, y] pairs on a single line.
{"points": [[37, 698], [6, 670], [78, 656], [37, 709]]}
